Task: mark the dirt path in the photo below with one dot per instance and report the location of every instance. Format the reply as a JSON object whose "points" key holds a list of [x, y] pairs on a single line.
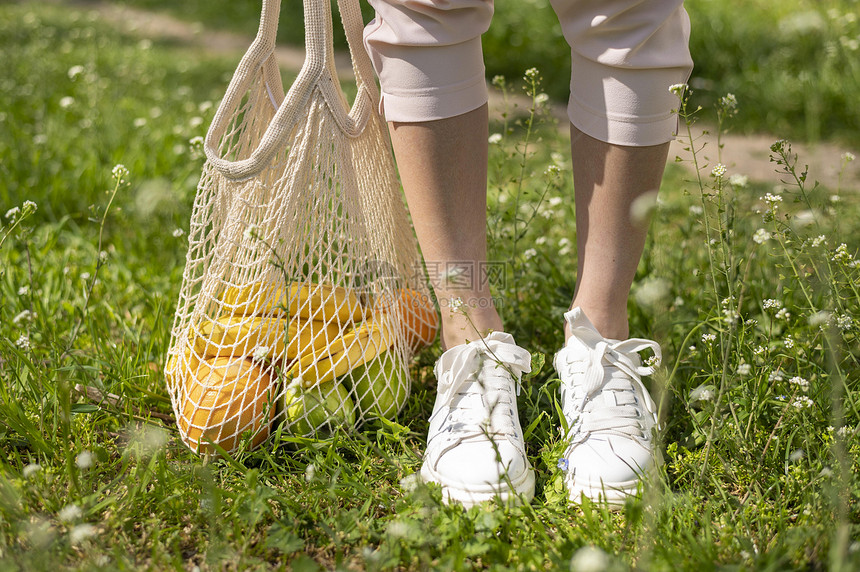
{"points": [[747, 155]]}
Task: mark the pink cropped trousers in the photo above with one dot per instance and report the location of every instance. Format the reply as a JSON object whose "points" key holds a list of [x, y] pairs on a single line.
{"points": [[625, 56]]}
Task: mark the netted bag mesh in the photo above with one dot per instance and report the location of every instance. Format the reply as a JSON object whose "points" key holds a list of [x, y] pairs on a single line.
{"points": [[303, 297]]}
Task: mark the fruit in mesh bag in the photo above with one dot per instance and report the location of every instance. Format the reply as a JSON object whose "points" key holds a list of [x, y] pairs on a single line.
{"points": [[357, 345], [321, 302], [323, 406], [420, 319], [220, 399], [245, 335], [381, 386]]}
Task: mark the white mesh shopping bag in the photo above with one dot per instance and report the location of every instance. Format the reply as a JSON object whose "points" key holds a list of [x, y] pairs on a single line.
{"points": [[303, 297]]}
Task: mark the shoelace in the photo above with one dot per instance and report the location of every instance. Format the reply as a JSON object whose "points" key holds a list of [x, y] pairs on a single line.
{"points": [[464, 389], [610, 370]]}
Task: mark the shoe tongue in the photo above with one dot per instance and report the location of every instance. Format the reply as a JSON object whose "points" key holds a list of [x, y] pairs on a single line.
{"points": [[582, 329]]}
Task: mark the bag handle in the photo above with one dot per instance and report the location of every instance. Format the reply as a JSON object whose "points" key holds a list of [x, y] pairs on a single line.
{"points": [[318, 71]]}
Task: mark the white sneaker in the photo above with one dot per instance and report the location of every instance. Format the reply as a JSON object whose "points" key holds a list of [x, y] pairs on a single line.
{"points": [[609, 413], [475, 448]]}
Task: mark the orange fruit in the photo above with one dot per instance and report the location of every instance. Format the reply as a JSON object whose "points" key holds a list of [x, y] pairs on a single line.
{"points": [[420, 319], [222, 398]]}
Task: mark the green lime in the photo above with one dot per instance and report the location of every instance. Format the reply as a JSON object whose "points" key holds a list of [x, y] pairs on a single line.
{"points": [[322, 406], [381, 386]]}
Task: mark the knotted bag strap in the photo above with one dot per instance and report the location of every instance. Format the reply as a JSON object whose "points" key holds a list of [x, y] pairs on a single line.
{"points": [[318, 72]]}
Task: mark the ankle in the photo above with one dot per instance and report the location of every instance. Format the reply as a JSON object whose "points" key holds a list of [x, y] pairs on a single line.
{"points": [[468, 323], [611, 323]]}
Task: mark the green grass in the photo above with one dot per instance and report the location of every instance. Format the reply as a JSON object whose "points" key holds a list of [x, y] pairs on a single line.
{"points": [[751, 481]]}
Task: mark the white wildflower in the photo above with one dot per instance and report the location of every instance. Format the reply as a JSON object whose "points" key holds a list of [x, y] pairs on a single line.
{"points": [[589, 559], [177, 232], [761, 236], [24, 291], [774, 377], [554, 202], [67, 102], [820, 318], [251, 232], [30, 470], [841, 254], [642, 207], [653, 361], [81, 532], [678, 89], [13, 213], [788, 342], [410, 482], [800, 382], [456, 303], [541, 98], [708, 338], [771, 303], [719, 170], [69, 513], [743, 369], [84, 460], [397, 529], [119, 173], [85, 276], [796, 455], [310, 472], [844, 322], [696, 210], [843, 431], [552, 171], [818, 241], [541, 240], [783, 314], [729, 101], [738, 180], [75, 71], [802, 402], [835, 198], [530, 253], [23, 342], [759, 350], [195, 122], [147, 440], [653, 291], [261, 352], [494, 139], [848, 156], [771, 199], [139, 122]]}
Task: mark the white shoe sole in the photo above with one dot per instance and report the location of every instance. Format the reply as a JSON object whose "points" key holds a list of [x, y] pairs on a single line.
{"points": [[513, 492], [614, 495]]}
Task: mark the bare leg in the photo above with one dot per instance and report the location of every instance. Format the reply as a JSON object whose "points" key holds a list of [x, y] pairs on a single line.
{"points": [[607, 179], [443, 166]]}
